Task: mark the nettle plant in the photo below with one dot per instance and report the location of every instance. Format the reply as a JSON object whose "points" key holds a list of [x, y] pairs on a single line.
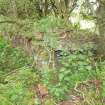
{"points": [[19, 88], [75, 67]]}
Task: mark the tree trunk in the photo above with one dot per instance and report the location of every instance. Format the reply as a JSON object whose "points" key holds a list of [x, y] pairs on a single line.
{"points": [[13, 8], [46, 7], [101, 17]]}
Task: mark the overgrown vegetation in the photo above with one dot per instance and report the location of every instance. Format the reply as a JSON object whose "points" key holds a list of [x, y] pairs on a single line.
{"points": [[44, 59]]}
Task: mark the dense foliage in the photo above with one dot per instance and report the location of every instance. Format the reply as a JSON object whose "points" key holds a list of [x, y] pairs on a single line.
{"points": [[45, 59]]}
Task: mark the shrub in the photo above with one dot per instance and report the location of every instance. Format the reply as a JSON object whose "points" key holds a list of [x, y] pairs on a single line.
{"points": [[75, 67]]}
